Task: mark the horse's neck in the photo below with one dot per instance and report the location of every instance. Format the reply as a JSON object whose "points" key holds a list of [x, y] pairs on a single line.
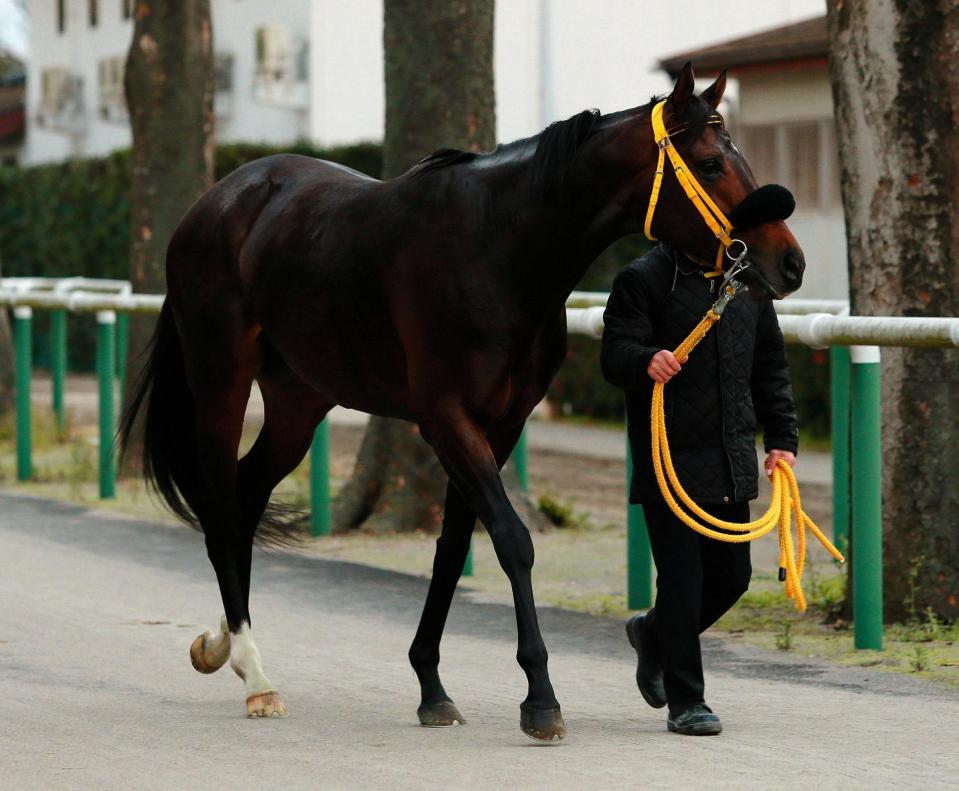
{"points": [[557, 242]]}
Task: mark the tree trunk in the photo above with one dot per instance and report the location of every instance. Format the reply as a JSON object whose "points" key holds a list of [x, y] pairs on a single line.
{"points": [[895, 78], [439, 94], [169, 93], [7, 384]]}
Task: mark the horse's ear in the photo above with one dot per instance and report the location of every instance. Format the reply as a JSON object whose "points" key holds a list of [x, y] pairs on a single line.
{"points": [[713, 95], [683, 89]]}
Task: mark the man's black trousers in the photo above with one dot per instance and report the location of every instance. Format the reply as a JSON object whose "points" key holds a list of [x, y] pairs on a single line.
{"points": [[697, 580]]}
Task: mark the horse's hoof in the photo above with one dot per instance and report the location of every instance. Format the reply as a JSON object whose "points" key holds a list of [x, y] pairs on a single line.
{"points": [[265, 704], [207, 658], [544, 725], [439, 715]]}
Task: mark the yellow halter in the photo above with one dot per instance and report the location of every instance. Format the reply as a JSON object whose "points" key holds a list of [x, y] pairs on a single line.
{"points": [[710, 212]]}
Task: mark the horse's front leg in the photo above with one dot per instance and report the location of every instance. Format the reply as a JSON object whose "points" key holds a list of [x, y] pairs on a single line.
{"points": [[465, 452]]}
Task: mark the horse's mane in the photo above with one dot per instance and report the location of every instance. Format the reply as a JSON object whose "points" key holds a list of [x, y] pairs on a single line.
{"points": [[442, 159], [558, 146], [553, 150]]}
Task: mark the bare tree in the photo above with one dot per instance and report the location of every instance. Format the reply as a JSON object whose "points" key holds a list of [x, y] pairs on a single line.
{"points": [[895, 80], [439, 94], [169, 93]]}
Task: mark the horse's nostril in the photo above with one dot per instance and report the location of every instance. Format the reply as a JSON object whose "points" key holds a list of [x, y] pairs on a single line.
{"points": [[792, 267]]}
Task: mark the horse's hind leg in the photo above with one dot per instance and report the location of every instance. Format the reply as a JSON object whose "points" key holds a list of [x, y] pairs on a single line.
{"points": [[291, 413], [219, 368]]}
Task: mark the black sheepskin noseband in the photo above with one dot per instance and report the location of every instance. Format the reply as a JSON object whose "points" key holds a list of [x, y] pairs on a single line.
{"points": [[769, 203]]}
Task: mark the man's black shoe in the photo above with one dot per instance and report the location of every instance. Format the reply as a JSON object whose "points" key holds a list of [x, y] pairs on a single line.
{"points": [[649, 672], [697, 720]]}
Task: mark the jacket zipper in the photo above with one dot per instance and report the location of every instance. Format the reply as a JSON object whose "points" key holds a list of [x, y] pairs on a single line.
{"points": [[722, 415]]}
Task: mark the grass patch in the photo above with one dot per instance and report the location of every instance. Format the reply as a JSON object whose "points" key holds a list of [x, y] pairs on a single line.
{"points": [[563, 513]]}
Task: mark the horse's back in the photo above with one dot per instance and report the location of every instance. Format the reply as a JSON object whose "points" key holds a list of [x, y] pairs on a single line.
{"points": [[257, 200]]}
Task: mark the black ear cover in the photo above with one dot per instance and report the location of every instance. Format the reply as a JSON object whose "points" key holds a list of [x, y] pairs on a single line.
{"points": [[769, 203]]}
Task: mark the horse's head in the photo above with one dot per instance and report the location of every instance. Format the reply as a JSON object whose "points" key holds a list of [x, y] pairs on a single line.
{"points": [[692, 126]]}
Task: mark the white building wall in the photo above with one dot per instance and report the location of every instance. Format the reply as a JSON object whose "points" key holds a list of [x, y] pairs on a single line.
{"points": [[796, 96], [778, 97], [79, 50], [822, 236], [246, 114], [250, 113], [346, 71]]}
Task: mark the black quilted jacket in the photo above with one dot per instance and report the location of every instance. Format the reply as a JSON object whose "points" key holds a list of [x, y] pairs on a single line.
{"points": [[737, 374]]}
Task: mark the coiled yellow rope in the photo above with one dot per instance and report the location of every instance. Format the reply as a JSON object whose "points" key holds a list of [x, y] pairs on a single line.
{"points": [[785, 504]]}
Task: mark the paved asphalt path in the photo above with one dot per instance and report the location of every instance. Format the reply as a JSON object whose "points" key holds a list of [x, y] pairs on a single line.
{"points": [[97, 613]]}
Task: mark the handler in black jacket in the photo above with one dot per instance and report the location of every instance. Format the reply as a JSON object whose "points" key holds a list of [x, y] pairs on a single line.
{"points": [[736, 375]]}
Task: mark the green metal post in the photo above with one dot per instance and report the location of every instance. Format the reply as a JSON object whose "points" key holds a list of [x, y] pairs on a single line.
{"points": [[320, 521], [58, 364], [839, 363], [123, 333], [866, 498], [106, 368], [468, 565], [521, 460], [639, 564], [23, 328]]}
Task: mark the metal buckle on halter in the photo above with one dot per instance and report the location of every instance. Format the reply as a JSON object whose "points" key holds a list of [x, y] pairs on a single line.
{"points": [[664, 143], [738, 261], [732, 287]]}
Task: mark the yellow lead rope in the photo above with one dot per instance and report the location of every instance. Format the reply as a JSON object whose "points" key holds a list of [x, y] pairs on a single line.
{"points": [[785, 502]]}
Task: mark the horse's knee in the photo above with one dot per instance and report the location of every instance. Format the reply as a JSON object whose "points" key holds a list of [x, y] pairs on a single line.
{"points": [[515, 552]]}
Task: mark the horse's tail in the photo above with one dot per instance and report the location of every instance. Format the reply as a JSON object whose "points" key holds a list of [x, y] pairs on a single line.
{"points": [[169, 433]]}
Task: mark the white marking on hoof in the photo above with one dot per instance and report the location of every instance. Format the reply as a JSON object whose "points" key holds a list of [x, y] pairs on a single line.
{"points": [[266, 704], [262, 699], [209, 651]]}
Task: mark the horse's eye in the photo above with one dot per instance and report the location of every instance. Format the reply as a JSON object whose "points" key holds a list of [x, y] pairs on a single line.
{"points": [[710, 167]]}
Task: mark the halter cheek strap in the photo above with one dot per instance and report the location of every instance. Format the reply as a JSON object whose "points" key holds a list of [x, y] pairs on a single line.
{"points": [[710, 212]]}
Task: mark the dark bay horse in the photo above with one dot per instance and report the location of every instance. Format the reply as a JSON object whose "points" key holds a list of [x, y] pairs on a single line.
{"points": [[437, 297]]}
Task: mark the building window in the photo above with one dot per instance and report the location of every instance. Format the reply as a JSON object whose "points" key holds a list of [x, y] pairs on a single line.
{"points": [[223, 72], [302, 71], [800, 156], [126, 8], [61, 100], [94, 12], [112, 103], [273, 54], [61, 16]]}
